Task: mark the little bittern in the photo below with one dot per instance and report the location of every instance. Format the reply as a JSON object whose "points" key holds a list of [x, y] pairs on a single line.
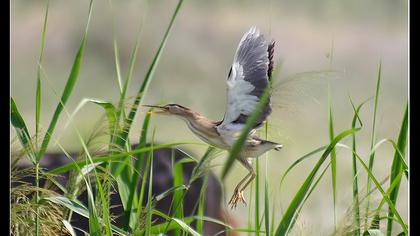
{"points": [[247, 80]]}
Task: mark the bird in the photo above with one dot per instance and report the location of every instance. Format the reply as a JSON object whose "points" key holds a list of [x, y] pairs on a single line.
{"points": [[248, 77]]}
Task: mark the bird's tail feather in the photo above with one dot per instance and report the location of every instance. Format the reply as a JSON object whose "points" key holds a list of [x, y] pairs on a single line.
{"points": [[276, 146]]}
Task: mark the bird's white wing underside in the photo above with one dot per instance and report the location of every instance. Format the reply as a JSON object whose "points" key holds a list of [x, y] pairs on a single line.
{"points": [[239, 97]]}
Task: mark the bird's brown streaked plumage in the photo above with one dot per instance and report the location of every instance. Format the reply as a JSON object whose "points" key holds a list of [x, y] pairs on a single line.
{"points": [[248, 78]]}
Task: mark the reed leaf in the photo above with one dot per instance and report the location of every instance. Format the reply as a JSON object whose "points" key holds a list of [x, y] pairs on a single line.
{"points": [[148, 78], [373, 137], [38, 76], [289, 215], [397, 167], [68, 89], [21, 130], [112, 157]]}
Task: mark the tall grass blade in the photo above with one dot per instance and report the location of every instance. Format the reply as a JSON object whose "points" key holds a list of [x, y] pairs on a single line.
{"points": [[257, 197], [384, 195], [149, 75], [204, 164], [391, 188], [146, 173], [109, 108], [202, 206], [273, 217], [186, 227], [289, 215], [113, 157], [237, 146], [130, 215], [356, 202], [313, 187], [379, 187], [79, 208], [333, 155], [116, 52], [397, 168], [266, 208], [266, 196], [149, 192], [38, 76], [21, 130], [71, 81], [94, 226], [249, 218], [133, 58], [169, 191], [169, 225], [373, 138], [177, 206], [294, 164], [69, 227]]}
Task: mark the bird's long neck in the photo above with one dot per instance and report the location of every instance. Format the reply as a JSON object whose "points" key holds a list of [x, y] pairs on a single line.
{"points": [[200, 126]]}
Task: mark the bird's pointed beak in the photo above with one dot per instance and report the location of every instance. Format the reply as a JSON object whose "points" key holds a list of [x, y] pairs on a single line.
{"points": [[161, 109]]}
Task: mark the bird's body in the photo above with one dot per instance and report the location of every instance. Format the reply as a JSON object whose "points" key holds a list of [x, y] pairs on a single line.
{"points": [[207, 130], [247, 80]]}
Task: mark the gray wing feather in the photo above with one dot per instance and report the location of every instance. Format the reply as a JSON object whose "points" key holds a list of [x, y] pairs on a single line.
{"points": [[248, 78]]}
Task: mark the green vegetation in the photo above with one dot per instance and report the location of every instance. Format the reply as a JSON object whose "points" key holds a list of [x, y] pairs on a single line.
{"points": [[43, 210]]}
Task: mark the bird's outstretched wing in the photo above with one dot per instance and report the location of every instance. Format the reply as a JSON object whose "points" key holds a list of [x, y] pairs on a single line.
{"points": [[247, 80]]}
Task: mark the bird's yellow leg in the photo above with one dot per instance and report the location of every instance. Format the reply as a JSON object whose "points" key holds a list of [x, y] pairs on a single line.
{"points": [[252, 174], [238, 194]]}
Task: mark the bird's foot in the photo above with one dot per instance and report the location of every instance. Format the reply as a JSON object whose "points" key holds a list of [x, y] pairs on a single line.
{"points": [[238, 196]]}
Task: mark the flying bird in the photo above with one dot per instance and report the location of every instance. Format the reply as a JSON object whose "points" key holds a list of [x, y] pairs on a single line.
{"points": [[247, 80]]}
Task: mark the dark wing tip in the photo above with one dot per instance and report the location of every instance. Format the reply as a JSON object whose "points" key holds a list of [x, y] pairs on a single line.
{"points": [[270, 50]]}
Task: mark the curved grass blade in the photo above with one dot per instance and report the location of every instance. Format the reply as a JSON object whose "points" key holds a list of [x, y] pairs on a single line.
{"points": [[186, 227], [143, 184], [79, 208], [373, 137], [333, 155], [113, 157], [109, 108], [38, 76], [130, 215], [392, 186], [21, 130], [171, 190], [266, 208], [266, 196], [257, 197], [94, 226], [239, 143], [149, 193], [397, 167], [178, 197], [309, 194], [168, 226], [398, 154], [298, 161], [71, 81], [355, 181], [385, 196], [383, 193], [202, 205], [149, 75], [203, 165], [69, 227], [289, 215], [123, 88]]}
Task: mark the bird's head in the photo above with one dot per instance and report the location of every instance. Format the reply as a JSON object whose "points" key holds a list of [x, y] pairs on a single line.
{"points": [[170, 109]]}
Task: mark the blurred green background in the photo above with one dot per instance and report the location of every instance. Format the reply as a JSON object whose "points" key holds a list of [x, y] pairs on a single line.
{"points": [[194, 66]]}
